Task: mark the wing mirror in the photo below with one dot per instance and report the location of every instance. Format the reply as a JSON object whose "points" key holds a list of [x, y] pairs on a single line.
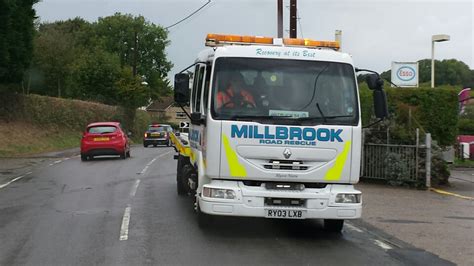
{"points": [[181, 88], [375, 83]]}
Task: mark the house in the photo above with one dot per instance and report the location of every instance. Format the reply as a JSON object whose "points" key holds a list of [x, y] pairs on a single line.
{"points": [[164, 109]]}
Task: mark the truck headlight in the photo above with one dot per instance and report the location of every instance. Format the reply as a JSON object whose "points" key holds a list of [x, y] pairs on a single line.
{"points": [[218, 193], [348, 198]]}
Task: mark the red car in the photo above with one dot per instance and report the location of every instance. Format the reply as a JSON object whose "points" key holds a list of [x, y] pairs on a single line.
{"points": [[104, 138]]}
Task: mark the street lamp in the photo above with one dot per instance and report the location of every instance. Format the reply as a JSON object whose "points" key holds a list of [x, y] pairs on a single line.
{"points": [[436, 38]]}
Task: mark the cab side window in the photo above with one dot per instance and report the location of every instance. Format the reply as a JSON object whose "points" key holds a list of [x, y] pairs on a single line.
{"points": [[197, 88], [205, 93]]}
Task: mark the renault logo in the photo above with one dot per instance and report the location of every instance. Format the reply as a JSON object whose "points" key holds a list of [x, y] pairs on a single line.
{"points": [[287, 153]]}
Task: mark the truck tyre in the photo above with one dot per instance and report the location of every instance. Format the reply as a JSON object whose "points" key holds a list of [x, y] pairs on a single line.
{"points": [[181, 189], [334, 226]]}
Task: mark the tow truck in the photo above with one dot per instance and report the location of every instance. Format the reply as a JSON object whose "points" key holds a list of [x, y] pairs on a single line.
{"points": [[291, 150]]}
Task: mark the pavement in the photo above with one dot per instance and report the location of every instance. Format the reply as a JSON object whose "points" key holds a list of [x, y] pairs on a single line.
{"points": [[439, 223], [126, 212]]}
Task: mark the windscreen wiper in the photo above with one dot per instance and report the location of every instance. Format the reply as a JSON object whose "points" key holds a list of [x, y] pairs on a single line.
{"points": [[323, 118], [246, 117], [321, 112]]}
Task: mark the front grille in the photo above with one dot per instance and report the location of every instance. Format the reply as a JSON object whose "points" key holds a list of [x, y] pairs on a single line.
{"points": [[284, 202], [274, 185], [286, 165], [284, 186]]}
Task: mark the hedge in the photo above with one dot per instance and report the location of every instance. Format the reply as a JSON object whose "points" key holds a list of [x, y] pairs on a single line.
{"points": [[433, 110], [66, 114]]}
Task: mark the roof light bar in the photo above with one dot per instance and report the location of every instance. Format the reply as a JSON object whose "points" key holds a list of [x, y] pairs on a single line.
{"points": [[221, 39]]}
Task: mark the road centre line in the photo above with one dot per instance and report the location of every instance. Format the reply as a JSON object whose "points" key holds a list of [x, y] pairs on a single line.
{"points": [[134, 188], [125, 223], [152, 161], [127, 213], [14, 179], [383, 245]]}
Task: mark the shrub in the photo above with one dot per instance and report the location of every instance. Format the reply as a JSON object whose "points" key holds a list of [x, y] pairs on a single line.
{"points": [[67, 114], [433, 110]]}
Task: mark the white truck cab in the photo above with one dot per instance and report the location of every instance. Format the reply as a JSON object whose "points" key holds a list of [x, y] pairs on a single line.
{"points": [[275, 130]]}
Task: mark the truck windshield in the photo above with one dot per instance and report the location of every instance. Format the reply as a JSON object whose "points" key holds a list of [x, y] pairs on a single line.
{"points": [[293, 91]]}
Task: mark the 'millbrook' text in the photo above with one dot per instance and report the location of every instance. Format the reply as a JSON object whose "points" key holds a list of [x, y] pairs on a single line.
{"points": [[286, 135]]}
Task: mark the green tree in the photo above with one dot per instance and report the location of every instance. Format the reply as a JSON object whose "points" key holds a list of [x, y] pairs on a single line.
{"points": [[94, 77], [16, 38], [140, 45], [57, 46], [54, 55]]}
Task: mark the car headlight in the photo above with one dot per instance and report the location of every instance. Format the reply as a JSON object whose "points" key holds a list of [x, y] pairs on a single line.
{"points": [[348, 198], [218, 193]]}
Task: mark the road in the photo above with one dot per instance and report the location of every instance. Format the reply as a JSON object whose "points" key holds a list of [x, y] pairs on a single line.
{"points": [[126, 212]]}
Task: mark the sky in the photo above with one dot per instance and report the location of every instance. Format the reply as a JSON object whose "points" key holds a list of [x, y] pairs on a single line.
{"points": [[374, 32]]}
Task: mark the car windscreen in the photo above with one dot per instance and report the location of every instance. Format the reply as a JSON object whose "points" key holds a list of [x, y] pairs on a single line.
{"points": [[101, 129], [284, 90]]}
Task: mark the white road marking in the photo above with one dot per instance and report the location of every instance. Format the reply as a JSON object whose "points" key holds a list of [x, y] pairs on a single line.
{"points": [[382, 244], [55, 162], [151, 162], [125, 223], [126, 214], [353, 228], [14, 179], [134, 188]]}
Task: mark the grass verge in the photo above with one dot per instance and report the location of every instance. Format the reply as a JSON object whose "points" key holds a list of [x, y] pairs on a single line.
{"points": [[22, 139], [463, 163]]}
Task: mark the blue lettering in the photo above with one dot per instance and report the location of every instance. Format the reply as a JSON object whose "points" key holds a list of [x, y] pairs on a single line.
{"points": [[257, 135], [281, 133], [295, 132], [235, 132], [251, 132], [323, 134], [267, 133], [309, 134], [335, 135]]}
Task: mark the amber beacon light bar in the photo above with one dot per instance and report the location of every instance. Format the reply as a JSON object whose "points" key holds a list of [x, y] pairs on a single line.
{"points": [[214, 40]]}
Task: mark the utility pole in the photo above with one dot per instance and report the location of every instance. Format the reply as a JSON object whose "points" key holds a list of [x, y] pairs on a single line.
{"points": [[280, 18], [293, 19]]}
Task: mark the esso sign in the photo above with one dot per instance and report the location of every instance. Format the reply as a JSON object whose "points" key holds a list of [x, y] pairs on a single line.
{"points": [[406, 73]]}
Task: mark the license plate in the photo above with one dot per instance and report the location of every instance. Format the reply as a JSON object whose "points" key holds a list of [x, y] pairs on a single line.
{"points": [[102, 139], [285, 214], [155, 134]]}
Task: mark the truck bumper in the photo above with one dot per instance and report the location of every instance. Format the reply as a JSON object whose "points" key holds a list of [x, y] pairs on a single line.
{"points": [[251, 201]]}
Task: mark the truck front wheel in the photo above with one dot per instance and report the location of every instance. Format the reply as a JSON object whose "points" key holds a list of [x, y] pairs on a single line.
{"points": [[334, 226], [181, 175]]}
